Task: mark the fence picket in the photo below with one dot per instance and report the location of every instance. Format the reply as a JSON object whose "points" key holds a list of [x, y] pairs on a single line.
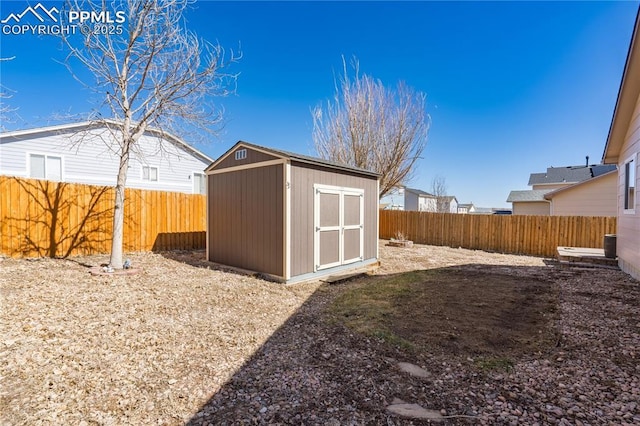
{"points": [[532, 235], [42, 218]]}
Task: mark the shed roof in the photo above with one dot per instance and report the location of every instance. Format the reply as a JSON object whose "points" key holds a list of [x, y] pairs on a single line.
{"points": [[529, 195], [295, 157]]}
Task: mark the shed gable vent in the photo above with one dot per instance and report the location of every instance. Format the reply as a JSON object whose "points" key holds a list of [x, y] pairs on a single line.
{"points": [[241, 154]]}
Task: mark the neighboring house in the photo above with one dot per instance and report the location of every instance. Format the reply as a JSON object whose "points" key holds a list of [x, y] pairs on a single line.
{"points": [[447, 204], [623, 149], [530, 202], [86, 152], [466, 208], [535, 202], [418, 200], [591, 197]]}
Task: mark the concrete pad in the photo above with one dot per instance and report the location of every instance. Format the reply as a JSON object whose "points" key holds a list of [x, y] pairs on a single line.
{"points": [[413, 369], [414, 411]]}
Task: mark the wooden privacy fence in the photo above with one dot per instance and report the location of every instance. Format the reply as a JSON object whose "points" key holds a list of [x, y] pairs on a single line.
{"points": [[532, 235], [58, 219]]}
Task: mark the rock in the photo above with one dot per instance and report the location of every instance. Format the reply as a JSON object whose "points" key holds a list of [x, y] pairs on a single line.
{"points": [[413, 369], [414, 411]]}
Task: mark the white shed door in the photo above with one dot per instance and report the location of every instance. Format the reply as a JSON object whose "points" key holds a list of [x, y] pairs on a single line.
{"points": [[338, 225]]}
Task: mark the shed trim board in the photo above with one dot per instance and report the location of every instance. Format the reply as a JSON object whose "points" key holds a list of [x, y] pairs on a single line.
{"points": [[287, 220], [246, 166], [340, 227], [350, 236]]}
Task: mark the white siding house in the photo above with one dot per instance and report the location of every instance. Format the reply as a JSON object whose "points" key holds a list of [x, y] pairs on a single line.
{"points": [[417, 200], [623, 149], [86, 153]]}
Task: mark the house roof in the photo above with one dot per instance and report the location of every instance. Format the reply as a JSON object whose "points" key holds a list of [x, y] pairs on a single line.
{"points": [[93, 124], [549, 195], [530, 195], [293, 156], [465, 205], [627, 98], [569, 174], [419, 192], [449, 198]]}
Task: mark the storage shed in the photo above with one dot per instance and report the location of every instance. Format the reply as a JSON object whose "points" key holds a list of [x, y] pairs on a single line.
{"points": [[290, 216]]}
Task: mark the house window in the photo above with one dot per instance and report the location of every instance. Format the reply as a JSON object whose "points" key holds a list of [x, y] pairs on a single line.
{"points": [[199, 183], [150, 173], [630, 184], [241, 154], [45, 167]]}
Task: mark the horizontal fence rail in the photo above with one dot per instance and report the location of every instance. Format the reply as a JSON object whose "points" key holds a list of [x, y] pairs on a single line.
{"points": [[516, 234], [58, 219]]}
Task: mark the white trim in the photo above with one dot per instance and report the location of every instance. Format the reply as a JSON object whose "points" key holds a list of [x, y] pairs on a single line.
{"points": [[634, 158], [142, 167], [287, 220], [247, 166], [46, 155], [377, 195], [319, 189], [206, 236], [193, 183]]}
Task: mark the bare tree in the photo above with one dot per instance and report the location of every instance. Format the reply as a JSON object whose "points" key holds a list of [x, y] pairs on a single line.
{"points": [[156, 73], [439, 190], [370, 126], [5, 93]]}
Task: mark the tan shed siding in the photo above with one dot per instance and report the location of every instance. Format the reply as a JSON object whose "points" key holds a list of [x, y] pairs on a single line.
{"points": [[253, 156], [303, 177], [246, 219], [598, 197], [628, 249], [535, 208]]}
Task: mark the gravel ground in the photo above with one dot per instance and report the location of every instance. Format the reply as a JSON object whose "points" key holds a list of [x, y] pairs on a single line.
{"points": [[181, 343]]}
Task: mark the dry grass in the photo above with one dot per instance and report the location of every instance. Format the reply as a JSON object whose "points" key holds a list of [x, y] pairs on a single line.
{"points": [[142, 349]]}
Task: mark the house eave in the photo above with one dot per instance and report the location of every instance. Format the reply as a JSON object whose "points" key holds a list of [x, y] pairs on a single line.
{"points": [[626, 100], [94, 124]]}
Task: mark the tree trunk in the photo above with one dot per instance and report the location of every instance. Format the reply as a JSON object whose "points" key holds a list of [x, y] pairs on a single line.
{"points": [[117, 240]]}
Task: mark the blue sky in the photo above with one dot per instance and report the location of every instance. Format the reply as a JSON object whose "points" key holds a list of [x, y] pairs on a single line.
{"points": [[512, 87]]}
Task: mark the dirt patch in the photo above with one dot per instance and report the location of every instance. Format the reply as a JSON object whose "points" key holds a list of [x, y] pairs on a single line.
{"points": [[458, 311]]}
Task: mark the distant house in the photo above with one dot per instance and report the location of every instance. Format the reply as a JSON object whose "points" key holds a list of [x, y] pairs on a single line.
{"points": [[447, 204], [86, 152], [535, 201], [623, 149], [466, 208], [418, 200], [591, 197]]}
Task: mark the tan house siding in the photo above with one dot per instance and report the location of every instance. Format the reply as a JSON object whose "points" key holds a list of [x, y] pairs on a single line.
{"points": [[552, 186], [629, 223], [595, 197], [533, 208]]}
